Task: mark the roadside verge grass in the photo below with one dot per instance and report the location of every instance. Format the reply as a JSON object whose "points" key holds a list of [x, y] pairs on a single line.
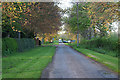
{"points": [[28, 64], [109, 61], [50, 44]]}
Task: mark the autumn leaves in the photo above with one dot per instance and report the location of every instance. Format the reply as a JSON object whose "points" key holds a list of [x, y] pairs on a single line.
{"points": [[38, 17]]}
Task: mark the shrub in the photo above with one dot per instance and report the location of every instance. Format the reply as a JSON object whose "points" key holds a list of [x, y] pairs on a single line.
{"points": [[103, 45], [47, 42], [9, 45]]}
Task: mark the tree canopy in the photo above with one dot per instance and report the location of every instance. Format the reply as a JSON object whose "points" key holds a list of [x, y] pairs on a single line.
{"points": [[94, 18], [30, 17]]}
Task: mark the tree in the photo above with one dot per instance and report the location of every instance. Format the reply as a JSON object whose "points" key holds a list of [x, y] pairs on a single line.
{"points": [[31, 17], [83, 20], [102, 15], [13, 13]]}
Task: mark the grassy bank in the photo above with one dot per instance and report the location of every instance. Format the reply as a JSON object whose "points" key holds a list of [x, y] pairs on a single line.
{"points": [[27, 64], [110, 61]]}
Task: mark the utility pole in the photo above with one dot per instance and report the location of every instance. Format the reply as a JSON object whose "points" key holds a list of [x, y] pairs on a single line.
{"points": [[77, 27]]}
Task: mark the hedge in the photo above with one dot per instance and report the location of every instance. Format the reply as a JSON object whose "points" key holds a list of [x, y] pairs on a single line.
{"points": [[103, 45], [11, 45]]}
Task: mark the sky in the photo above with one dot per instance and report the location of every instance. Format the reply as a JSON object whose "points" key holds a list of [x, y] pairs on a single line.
{"points": [[115, 24], [65, 4]]}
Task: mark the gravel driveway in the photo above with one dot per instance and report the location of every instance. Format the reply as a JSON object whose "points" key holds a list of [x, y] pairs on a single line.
{"points": [[68, 63]]}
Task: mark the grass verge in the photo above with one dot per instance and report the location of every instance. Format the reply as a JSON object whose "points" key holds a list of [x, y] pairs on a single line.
{"points": [[50, 44], [29, 64], [109, 61]]}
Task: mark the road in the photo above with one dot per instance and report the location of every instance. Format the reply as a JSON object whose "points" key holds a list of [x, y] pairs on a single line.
{"points": [[68, 63]]}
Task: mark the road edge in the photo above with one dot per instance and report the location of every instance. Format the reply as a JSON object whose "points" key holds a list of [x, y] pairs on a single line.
{"points": [[45, 72], [107, 68]]}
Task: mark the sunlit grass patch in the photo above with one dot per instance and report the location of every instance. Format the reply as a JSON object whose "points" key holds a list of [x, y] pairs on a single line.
{"points": [[29, 64]]}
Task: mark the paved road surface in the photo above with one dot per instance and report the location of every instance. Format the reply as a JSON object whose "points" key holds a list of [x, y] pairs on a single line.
{"points": [[68, 63]]}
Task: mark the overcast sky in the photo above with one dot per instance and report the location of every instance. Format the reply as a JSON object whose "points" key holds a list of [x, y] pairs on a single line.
{"points": [[65, 4]]}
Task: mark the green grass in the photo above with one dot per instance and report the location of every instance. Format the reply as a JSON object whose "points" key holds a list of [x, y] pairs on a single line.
{"points": [[0, 58], [109, 61], [29, 64], [50, 44], [110, 52], [0, 67]]}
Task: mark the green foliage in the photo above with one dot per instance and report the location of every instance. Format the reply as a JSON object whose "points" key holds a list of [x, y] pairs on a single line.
{"points": [[9, 45], [101, 15], [6, 28], [79, 23], [103, 45], [47, 42]]}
